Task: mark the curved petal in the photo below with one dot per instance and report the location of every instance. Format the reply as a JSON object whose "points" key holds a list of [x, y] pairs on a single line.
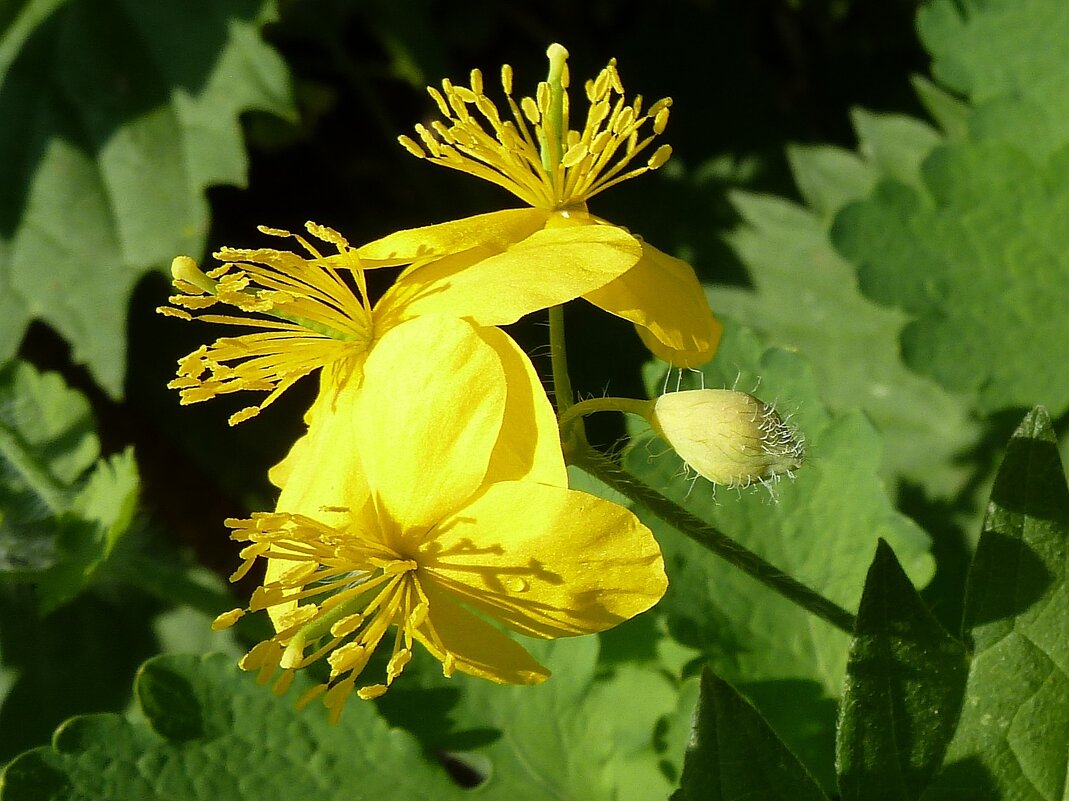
{"points": [[321, 474], [428, 416], [473, 645], [546, 561], [494, 231], [280, 473], [551, 266], [529, 444], [662, 297], [324, 469]]}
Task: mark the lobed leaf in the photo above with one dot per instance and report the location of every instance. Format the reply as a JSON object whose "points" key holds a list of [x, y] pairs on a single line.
{"points": [[1011, 58], [62, 510], [118, 114], [210, 733], [589, 731], [806, 298], [977, 259]]}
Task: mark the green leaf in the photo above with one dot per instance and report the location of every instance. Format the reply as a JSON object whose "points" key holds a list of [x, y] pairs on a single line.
{"points": [[1011, 58], [734, 755], [894, 143], [87, 534], [828, 178], [979, 259], [62, 510], [1013, 737], [806, 298], [588, 732], [950, 112], [47, 441], [904, 686], [211, 733], [118, 114], [76, 660], [819, 528]]}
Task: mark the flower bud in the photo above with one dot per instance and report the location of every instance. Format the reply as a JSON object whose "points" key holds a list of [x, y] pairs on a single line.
{"points": [[726, 436]]}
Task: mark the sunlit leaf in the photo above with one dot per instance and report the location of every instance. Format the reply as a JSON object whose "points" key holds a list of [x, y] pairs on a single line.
{"points": [[903, 691], [211, 733], [117, 115], [1013, 737]]}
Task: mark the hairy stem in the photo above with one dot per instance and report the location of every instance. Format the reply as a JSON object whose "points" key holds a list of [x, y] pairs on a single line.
{"points": [[719, 543]]}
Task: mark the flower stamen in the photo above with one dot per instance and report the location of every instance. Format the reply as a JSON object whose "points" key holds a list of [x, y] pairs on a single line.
{"points": [[535, 155], [309, 313], [367, 587]]}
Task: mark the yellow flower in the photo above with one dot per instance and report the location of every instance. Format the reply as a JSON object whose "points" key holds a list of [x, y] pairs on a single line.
{"points": [[431, 501], [556, 170], [726, 436], [313, 309]]}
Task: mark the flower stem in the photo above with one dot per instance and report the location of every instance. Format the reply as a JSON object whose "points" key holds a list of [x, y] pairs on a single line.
{"points": [[558, 357], [591, 405], [572, 433], [712, 539]]}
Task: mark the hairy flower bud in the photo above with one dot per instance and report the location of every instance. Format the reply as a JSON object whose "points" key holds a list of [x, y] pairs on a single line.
{"points": [[726, 436]]}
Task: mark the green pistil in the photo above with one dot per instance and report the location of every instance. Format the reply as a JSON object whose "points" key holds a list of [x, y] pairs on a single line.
{"points": [[202, 282], [553, 123], [320, 626], [311, 325]]}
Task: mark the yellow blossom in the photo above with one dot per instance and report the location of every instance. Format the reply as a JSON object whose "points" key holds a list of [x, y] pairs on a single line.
{"points": [[533, 153], [426, 508], [313, 311]]}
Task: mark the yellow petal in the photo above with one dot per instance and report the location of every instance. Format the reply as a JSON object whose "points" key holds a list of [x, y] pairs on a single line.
{"points": [[474, 646], [321, 474], [662, 297], [546, 561], [549, 267], [331, 379], [494, 232], [428, 416], [528, 446], [324, 468], [280, 473]]}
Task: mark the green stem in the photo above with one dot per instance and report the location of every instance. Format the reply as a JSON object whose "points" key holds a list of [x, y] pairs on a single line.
{"points": [[572, 434], [558, 358], [712, 539], [582, 408]]}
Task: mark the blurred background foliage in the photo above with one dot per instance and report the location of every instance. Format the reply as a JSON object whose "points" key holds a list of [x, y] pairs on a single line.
{"points": [[832, 187]]}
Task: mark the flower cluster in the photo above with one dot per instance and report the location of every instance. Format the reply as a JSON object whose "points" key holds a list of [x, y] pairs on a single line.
{"points": [[428, 501]]}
